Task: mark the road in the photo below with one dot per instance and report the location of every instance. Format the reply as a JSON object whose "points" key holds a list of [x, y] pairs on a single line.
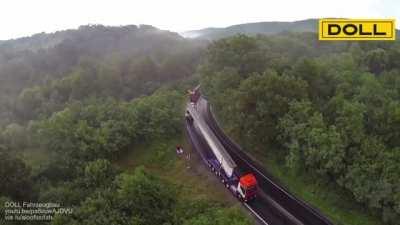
{"points": [[275, 205], [260, 206]]}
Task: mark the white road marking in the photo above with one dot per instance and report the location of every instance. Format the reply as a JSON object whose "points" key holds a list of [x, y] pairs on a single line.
{"points": [[256, 214]]}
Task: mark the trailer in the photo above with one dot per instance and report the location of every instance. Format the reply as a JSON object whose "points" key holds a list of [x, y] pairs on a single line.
{"points": [[243, 186]]}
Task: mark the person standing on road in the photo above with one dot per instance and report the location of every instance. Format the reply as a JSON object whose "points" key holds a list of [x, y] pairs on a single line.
{"points": [[179, 151]]}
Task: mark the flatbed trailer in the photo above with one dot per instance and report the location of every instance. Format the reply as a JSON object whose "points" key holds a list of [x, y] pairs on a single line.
{"points": [[243, 186]]}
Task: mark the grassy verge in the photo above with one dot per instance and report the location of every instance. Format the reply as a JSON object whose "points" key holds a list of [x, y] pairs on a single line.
{"points": [[160, 158]]}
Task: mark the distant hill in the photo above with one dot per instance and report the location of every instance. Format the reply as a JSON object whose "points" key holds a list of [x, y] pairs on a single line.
{"points": [[43, 59], [86, 33], [309, 25], [36, 41]]}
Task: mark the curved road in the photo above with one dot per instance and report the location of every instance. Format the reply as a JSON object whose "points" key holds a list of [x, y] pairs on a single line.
{"points": [[274, 204], [260, 206]]}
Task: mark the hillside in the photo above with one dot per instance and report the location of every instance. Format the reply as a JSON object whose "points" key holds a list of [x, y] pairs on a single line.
{"points": [[323, 116], [266, 28], [74, 103], [134, 53], [47, 40]]}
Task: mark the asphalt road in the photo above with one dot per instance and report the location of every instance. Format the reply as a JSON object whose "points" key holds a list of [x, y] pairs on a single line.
{"points": [[262, 205]]}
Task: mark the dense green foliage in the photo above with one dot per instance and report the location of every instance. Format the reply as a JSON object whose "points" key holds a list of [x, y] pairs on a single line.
{"points": [[133, 200], [103, 129], [332, 113]]}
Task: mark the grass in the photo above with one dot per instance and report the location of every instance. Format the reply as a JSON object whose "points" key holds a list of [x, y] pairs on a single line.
{"points": [[335, 203], [160, 158]]}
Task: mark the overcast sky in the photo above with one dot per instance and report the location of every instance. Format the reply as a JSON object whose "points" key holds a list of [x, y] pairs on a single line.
{"points": [[23, 18]]}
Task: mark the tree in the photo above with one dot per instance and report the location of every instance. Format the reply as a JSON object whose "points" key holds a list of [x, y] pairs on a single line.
{"points": [[376, 60], [15, 177], [321, 83], [29, 103], [261, 101], [98, 173], [15, 136], [141, 195], [100, 208], [240, 52]]}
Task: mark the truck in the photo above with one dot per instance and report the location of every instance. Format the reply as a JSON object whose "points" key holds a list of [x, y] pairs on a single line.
{"points": [[242, 185], [194, 94]]}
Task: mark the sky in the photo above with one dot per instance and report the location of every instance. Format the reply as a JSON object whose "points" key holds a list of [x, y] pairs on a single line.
{"points": [[19, 18]]}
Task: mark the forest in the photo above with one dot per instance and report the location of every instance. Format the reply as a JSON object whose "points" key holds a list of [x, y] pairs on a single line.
{"points": [[73, 103], [326, 110]]}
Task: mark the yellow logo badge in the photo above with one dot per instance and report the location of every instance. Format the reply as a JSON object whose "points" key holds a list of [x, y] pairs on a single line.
{"points": [[357, 29]]}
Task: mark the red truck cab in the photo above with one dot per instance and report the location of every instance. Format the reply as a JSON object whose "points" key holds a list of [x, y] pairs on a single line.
{"points": [[247, 187]]}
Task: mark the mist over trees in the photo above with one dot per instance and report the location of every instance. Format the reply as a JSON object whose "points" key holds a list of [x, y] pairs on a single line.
{"points": [[83, 98], [122, 62]]}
